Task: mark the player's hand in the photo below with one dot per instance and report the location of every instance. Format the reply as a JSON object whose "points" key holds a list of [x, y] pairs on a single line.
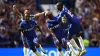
{"points": [[14, 7]]}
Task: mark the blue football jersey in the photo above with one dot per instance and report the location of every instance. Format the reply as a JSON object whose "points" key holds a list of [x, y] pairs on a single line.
{"points": [[28, 29]]}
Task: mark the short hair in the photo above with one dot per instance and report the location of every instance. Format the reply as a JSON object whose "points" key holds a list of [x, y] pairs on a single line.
{"points": [[26, 9], [48, 13], [60, 3]]}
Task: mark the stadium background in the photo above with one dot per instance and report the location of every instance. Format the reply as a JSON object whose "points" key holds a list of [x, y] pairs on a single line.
{"points": [[87, 10]]}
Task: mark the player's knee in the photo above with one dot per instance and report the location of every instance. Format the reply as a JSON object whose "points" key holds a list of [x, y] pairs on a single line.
{"points": [[37, 45], [25, 45], [70, 37], [33, 49], [58, 46], [59, 49], [65, 46], [78, 35]]}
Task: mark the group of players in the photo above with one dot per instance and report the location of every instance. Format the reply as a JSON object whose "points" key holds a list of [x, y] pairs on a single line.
{"points": [[63, 27]]}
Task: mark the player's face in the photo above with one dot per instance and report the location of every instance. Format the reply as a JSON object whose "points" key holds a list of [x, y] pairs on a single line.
{"points": [[64, 20], [27, 15]]}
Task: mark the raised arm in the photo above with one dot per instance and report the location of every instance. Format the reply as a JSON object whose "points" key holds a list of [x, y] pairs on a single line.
{"points": [[16, 10], [36, 16], [58, 20], [70, 17]]}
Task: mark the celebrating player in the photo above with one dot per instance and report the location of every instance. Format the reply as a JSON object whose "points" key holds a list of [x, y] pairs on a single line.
{"points": [[41, 20], [57, 26], [30, 32], [61, 27], [75, 29]]}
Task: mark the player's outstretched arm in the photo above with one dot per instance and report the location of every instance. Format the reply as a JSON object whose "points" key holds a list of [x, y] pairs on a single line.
{"points": [[36, 16], [54, 36], [16, 10]]}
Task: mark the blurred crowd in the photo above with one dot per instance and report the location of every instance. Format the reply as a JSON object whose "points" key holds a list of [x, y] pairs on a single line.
{"points": [[88, 12]]}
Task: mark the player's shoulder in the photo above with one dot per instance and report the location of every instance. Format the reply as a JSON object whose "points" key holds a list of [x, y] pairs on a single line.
{"points": [[55, 17], [65, 9], [37, 15], [22, 22], [32, 21]]}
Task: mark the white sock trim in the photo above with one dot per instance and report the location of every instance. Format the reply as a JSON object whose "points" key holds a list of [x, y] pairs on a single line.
{"points": [[72, 41], [41, 48], [25, 50], [37, 53], [71, 48], [81, 42]]}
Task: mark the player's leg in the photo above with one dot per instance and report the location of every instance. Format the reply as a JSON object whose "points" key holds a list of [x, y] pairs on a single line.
{"points": [[72, 44], [65, 46], [25, 46], [77, 33], [81, 44], [58, 46], [59, 49], [36, 42], [25, 50], [36, 52], [32, 47], [71, 48], [72, 35], [40, 47]]}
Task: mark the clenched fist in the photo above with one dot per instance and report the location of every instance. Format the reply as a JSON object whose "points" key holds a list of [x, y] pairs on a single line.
{"points": [[14, 7]]}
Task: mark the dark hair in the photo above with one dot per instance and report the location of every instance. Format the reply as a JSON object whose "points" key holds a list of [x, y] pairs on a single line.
{"points": [[60, 3], [26, 9]]}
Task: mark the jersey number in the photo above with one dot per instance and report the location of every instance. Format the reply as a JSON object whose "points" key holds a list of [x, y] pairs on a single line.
{"points": [[70, 13]]}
